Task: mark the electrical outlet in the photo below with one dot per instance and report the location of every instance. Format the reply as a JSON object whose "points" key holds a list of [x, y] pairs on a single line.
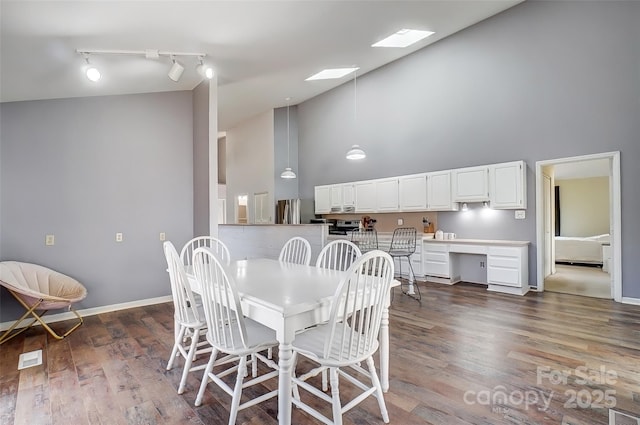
{"points": [[482, 264], [49, 240], [520, 214], [400, 222], [118, 237], [163, 236]]}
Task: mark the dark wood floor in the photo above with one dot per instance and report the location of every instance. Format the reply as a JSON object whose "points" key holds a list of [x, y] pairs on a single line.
{"points": [[463, 356]]}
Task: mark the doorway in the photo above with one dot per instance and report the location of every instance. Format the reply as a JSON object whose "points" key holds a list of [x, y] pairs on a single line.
{"points": [[570, 258]]}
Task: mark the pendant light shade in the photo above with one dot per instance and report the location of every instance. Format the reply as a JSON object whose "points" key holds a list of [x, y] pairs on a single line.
{"points": [[288, 172], [356, 152]]}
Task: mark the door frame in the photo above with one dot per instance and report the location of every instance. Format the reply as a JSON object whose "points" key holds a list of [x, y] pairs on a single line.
{"points": [[615, 220]]}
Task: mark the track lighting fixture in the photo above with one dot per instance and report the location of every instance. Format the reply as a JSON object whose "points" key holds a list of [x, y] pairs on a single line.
{"points": [[204, 70], [92, 72], [175, 72]]}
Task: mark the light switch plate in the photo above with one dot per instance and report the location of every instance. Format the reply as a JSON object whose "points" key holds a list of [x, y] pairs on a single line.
{"points": [[520, 214]]}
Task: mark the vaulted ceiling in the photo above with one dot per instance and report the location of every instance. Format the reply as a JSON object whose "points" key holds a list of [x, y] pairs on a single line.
{"points": [[262, 51]]}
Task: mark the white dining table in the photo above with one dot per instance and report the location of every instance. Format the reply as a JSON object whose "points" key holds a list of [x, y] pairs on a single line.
{"points": [[289, 298]]}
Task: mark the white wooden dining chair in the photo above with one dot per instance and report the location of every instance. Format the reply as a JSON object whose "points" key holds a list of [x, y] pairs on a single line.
{"points": [[190, 322], [338, 255], [296, 250], [230, 334], [215, 244], [349, 338]]}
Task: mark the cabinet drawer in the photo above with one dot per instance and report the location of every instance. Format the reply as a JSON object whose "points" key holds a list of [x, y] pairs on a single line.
{"points": [[503, 276], [436, 269], [504, 251], [436, 257], [503, 262], [435, 247], [467, 249]]}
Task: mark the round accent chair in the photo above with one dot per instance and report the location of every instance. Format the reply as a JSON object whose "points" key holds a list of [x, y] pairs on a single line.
{"points": [[39, 289]]}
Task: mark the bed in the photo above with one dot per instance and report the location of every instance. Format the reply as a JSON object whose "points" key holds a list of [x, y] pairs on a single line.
{"points": [[580, 250]]}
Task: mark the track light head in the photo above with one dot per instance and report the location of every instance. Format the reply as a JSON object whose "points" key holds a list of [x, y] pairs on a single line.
{"points": [[176, 70], [92, 72], [205, 70]]}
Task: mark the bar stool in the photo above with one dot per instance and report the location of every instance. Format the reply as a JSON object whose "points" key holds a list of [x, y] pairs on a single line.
{"points": [[365, 239], [403, 244]]}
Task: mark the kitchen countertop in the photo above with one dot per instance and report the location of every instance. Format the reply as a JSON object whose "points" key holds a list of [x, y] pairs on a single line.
{"points": [[495, 242]]}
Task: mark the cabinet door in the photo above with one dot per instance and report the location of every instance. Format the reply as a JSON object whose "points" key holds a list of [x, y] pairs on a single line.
{"points": [[413, 193], [336, 198], [348, 197], [365, 196], [387, 195], [508, 185], [323, 199], [439, 192], [471, 184]]}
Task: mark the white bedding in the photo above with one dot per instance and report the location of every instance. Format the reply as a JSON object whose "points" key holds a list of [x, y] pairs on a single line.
{"points": [[587, 250]]}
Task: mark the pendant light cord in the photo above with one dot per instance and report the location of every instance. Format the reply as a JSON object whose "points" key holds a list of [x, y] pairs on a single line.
{"points": [[355, 105], [288, 131]]}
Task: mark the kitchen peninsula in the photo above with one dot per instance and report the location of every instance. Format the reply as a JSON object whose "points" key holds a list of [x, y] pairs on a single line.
{"points": [[266, 240]]}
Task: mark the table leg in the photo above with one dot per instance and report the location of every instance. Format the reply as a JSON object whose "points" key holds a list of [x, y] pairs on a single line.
{"points": [[384, 350], [284, 383]]}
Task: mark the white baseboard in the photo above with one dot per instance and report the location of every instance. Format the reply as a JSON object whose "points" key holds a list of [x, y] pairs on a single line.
{"points": [[629, 300], [93, 311]]}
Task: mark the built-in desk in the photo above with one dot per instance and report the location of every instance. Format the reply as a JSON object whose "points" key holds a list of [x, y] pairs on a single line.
{"points": [[507, 262]]}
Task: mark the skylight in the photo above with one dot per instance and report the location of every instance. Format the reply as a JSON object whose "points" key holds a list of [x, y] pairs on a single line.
{"points": [[403, 38], [327, 74]]}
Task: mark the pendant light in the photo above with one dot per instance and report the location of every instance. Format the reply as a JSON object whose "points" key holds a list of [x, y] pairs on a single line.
{"points": [[355, 153], [288, 173]]}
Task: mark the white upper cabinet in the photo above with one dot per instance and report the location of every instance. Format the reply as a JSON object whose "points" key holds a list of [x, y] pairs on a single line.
{"points": [[439, 192], [323, 199], [348, 197], [507, 184], [471, 184], [365, 196], [413, 193], [342, 198], [504, 185], [387, 195], [336, 198]]}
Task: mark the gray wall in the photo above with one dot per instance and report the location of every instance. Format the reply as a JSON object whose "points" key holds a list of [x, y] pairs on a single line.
{"points": [[201, 159], [86, 168], [539, 81]]}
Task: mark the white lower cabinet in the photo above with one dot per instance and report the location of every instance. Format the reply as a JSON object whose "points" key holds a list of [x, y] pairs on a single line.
{"points": [[436, 261], [507, 264]]}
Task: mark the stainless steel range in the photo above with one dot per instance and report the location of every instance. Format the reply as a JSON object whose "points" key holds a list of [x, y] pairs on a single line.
{"points": [[342, 227]]}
